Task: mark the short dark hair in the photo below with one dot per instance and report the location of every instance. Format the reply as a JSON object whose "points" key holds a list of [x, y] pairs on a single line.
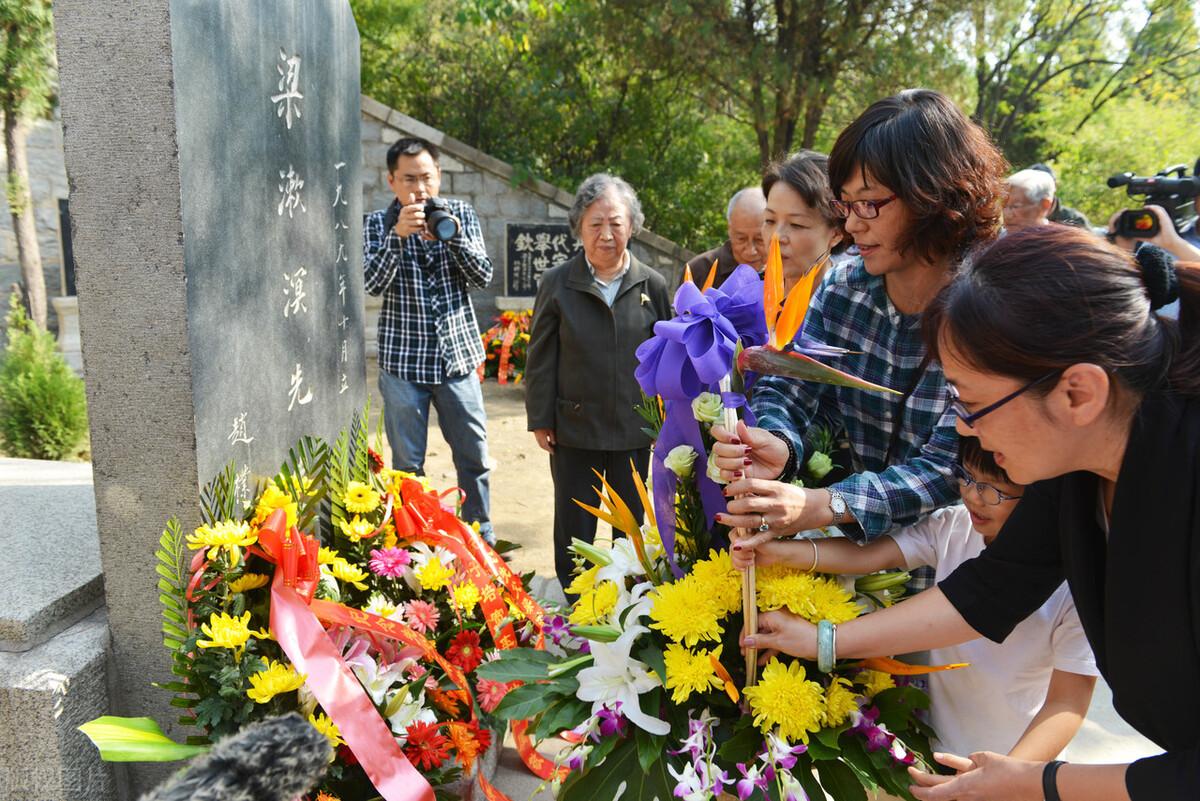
{"points": [[410, 146], [971, 454], [807, 172], [941, 164]]}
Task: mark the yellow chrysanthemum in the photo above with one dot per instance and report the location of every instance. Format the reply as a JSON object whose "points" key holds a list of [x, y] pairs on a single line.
{"points": [[874, 682], [466, 597], [689, 672], [324, 796], [276, 679], [685, 612], [584, 582], [274, 498], [360, 498], [357, 528], [840, 701], [342, 570], [786, 699], [225, 631], [225, 536], [392, 479], [831, 602], [327, 556], [594, 606], [249, 581], [515, 612], [721, 580], [434, 575], [814, 598], [327, 727], [389, 535]]}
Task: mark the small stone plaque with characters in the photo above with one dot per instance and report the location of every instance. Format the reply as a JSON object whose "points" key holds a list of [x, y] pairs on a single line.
{"points": [[530, 250]]}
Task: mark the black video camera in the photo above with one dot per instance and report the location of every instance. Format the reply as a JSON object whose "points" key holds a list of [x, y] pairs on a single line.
{"points": [[441, 223], [1176, 195]]}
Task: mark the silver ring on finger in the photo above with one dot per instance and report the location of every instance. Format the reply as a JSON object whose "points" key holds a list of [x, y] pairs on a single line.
{"points": [[762, 523]]}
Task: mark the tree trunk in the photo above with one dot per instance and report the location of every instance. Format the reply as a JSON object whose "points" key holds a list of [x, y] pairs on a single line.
{"points": [[20, 204]]}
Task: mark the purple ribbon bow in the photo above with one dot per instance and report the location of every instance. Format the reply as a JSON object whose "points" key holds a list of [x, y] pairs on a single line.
{"points": [[688, 355]]}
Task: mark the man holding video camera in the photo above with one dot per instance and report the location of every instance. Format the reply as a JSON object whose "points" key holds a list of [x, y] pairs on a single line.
{"points": [[423, 253]]}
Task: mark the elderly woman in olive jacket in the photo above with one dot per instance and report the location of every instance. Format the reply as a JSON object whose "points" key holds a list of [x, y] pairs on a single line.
{"points": [[591, 313]]}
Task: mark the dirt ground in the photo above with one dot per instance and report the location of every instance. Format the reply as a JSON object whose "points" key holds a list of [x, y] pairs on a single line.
{"points": [[522, 492]]}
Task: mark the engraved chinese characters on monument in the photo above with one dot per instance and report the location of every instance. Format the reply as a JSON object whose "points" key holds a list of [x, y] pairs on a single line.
{"points": [[269, 162], [530, 250]]}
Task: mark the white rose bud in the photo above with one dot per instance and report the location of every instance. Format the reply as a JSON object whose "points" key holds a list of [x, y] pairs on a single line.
{"points": [[707, 408], [819, 464], [714, 472], [680, 460]]}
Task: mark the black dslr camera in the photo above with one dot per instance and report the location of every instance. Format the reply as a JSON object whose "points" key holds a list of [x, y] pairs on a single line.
{"points": [[1177, 196], [441, 223], [438, 219]]}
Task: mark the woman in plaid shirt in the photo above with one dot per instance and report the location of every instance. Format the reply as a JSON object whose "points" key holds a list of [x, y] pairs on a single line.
{"points": [[918, 185]]}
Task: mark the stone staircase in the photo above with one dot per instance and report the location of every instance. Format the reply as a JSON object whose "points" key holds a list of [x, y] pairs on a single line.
{"points": [[53, 634]]}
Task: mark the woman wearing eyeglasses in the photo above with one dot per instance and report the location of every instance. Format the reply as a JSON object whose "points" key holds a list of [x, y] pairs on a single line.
{"points": [[1058, 363], [917, 185]]}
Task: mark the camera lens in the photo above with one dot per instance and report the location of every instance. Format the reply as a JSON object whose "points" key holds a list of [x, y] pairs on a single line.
{"points": [[441, 223]]}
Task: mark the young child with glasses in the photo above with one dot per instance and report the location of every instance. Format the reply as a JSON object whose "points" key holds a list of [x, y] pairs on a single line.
{"points": [[1025, 697]]}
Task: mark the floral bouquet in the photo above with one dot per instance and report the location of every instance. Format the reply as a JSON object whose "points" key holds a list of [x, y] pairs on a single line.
{"points": [[645, 671], [374, 626], [505, 344]]}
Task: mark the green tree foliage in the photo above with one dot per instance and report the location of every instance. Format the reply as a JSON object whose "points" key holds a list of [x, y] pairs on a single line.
{"points": [[27, 80], [1130, 134], [688, 98], [1031, 53], [43, 412], [540, 86]]}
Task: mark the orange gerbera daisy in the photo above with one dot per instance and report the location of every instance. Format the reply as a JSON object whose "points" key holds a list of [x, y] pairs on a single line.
{"points": [[426, 747]]}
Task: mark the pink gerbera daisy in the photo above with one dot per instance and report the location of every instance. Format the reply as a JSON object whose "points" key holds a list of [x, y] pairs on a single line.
{"points": [[422, 616], [389, 562], [491, 693]]}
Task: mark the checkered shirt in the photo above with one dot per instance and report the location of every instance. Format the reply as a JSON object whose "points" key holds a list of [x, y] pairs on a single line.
{"points": [[427, 329], [852, 310]]}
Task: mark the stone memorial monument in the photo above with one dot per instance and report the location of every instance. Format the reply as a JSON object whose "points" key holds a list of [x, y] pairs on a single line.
{"points": [[213, 150]]}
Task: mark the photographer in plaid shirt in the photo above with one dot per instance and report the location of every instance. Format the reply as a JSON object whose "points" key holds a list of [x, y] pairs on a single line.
{"points": [[918, 184], [429, 342]]}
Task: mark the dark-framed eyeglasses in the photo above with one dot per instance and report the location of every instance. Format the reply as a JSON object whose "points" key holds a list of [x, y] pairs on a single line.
{"points": [[986, 492], [863, 209], [969, 417]]}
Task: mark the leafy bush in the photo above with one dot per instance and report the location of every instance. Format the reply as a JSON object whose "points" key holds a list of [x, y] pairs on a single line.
{"points": [[43, 411]]}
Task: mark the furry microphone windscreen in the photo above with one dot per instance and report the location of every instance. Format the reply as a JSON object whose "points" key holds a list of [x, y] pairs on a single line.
{"points": [[276, 759]]}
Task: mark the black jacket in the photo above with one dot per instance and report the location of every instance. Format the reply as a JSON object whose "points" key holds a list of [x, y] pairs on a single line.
{"points": [[1137, 592], [579, 368]]}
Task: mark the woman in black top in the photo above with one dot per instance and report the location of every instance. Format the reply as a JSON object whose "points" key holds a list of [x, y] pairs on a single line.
{"points": [[1058, 363]]}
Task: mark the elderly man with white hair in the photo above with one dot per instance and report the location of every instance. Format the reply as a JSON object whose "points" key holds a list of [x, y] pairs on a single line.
{"points": [[1030, 199], [744, 219]]}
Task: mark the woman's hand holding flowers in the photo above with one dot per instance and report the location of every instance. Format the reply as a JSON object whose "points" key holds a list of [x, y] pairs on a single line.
{"points": [[766, 452], [782, 631]]}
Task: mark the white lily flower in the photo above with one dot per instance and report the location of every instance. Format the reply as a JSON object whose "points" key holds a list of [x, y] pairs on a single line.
{"points": [[624, 563], [377, 682], [615, 677], [407, 713]]}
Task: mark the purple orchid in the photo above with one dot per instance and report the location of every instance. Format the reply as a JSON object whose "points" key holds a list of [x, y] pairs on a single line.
{"points": [[610, 723], [556, 628], [753, 778], [779, 753]]}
